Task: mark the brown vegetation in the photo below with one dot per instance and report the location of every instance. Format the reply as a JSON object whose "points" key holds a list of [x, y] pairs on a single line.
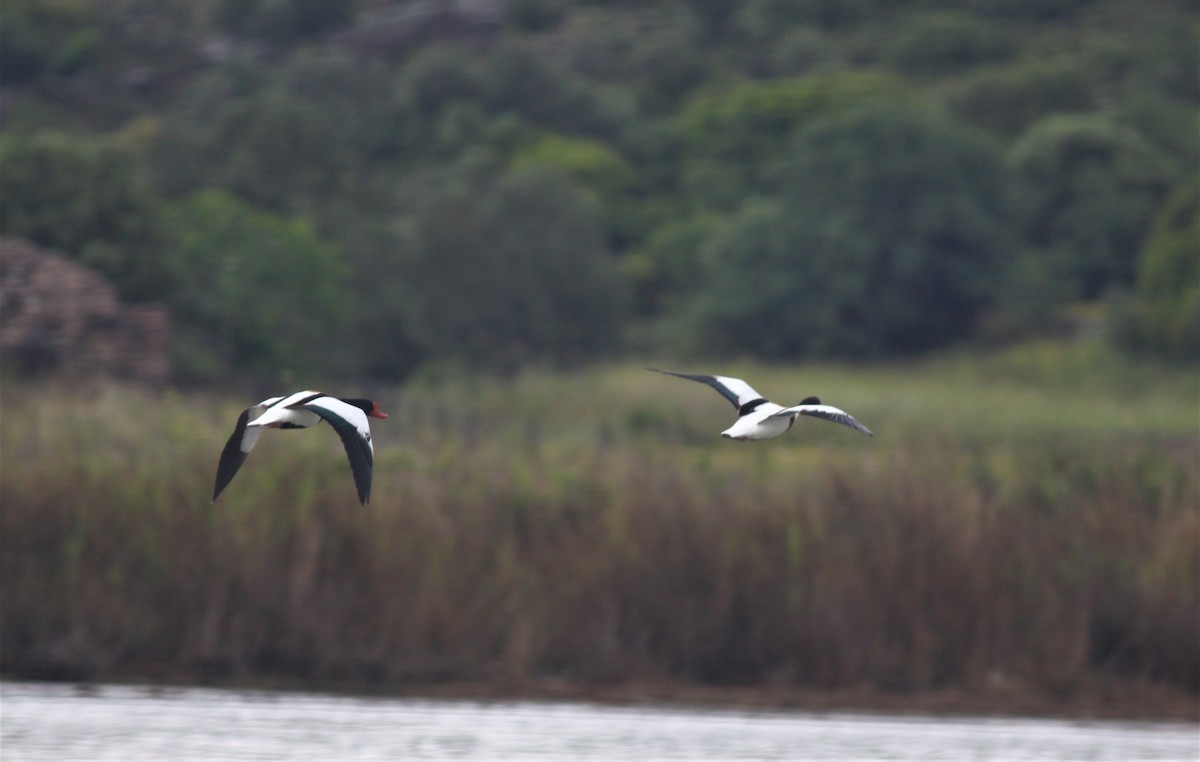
{"points": [[496, 552]]}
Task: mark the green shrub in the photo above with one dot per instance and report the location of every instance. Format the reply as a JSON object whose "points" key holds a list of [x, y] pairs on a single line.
{"points": [[254, 314], [1166, 306], [1090, 190], [87, 197], [507, 270], [943, 44], [1007, 99], [889, 236]]}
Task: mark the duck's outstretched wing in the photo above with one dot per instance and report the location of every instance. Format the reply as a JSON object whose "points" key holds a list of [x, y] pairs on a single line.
{"points": [[737, 391], [812, 406], [352, 426], [240, 443]]}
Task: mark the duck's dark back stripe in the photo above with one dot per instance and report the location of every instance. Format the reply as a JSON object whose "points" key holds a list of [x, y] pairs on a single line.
{"points": [[306, 400], [751, 406]]}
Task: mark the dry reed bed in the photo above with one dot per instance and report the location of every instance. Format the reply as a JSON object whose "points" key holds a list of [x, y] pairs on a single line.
{"points": [[629, 549]]}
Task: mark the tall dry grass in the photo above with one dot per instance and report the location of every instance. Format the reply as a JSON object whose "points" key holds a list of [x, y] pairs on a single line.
{"points": [[594, 527]]}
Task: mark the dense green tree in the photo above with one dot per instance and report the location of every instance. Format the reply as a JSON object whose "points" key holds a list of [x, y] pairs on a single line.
{"points": [[269, 141], [593, 166], [662, 271], [1008, 99], [1165, 314], [40, 38], [670, 125], [84, 196], [1171, 125], [279, 152], [666, 68], [520, 80], [439, 76], [359, 94], [506, 270], [762, 15], [1035, 10], [733, 140], [535, 15], [284, 21], [941, 44], [378, 342], [260, 293], [889, 236], [1090, 189]]}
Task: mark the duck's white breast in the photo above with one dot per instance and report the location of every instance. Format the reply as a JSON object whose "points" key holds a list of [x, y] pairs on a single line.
{"points": [[759, 424]]}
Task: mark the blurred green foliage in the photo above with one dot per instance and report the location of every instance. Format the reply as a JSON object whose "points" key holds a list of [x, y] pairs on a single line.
{"points": [[510, 269], [888, 237], [264, 288], [734, 141], [1091, 188], [284, 20], [1165, 311], [939, 44], [40, 38], [692, 200], [84, 194]]}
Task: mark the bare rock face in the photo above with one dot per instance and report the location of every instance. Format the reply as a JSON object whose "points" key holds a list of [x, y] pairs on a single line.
{"points": [[59, 317]]}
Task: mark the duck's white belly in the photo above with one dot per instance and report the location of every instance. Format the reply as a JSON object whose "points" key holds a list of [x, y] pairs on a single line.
{"points": [[759, 424]]}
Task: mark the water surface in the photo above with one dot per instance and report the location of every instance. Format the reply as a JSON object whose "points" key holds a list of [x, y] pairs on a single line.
{"points": [[108, 722]]}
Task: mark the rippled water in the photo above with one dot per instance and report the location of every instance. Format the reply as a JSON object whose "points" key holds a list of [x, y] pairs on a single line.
{"points": [[61, 722]]}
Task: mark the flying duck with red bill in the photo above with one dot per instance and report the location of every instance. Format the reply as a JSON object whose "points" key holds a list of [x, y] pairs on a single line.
{"points": [[348, 417]]}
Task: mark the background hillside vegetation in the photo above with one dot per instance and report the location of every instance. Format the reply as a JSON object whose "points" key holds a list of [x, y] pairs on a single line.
{"points": [[870, 179]]}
